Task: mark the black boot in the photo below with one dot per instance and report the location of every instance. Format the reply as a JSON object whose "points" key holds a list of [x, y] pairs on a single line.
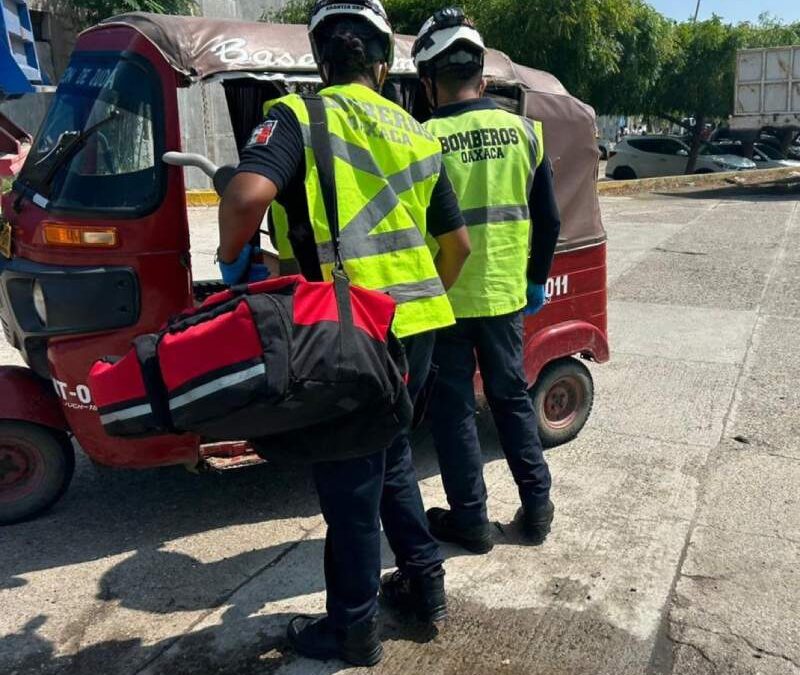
{"points": [[476, 539], [536, 522], [422, 596], [316, 638]]}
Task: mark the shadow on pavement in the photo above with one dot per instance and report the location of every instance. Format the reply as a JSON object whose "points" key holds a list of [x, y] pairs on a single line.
{"points": [[476, 640], [110, 513], [780, 191], [106, 513]]}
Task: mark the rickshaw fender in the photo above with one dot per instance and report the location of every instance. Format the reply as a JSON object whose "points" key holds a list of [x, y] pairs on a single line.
{"points": [[29, 398], [564, 339]]}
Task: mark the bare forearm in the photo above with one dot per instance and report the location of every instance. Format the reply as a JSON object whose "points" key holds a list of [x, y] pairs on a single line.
{"points": [[241, 212], [236, 229], [454, 249], [449, 269]]}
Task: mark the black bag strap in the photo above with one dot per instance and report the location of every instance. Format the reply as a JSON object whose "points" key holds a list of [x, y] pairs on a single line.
{"points": [[146, 347], [323, 156]]}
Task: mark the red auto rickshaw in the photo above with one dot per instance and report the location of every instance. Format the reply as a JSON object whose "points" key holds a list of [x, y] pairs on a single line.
{"points": [[94, 246]]}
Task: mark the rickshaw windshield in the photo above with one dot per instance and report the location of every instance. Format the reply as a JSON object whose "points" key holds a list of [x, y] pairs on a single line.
{"points": [[99, 147]]}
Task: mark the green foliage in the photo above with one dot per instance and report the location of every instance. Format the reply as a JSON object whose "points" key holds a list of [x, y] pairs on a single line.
{"points": [[406, 16], [697, 77], [295, 11], [578, 41], [621, 56], [768, 32], [90, 12], [647, 43]]}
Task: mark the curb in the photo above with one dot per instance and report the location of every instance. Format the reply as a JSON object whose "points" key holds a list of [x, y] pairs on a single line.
{"points": [[206, 198], [721, 179], [201, 198]]}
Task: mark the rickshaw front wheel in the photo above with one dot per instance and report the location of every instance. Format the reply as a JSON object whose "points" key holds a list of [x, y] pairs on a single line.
{"points": [[36, 467], [563, 397]]}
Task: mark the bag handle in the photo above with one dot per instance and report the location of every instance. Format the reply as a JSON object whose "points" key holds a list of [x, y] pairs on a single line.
{"points": [[323, 156]]}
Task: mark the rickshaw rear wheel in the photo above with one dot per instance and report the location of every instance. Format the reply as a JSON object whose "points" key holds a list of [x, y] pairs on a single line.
{"points": [[563, 397], [36, 467]]}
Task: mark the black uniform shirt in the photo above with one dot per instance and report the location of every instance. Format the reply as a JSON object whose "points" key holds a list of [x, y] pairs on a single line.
{"points": [[541, 201], [276, 151]]}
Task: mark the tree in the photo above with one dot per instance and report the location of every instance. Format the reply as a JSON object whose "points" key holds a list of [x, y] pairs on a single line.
{"points": [[578, 41], [697, 78], [294, 11], [646, 44], [621, 56], [406, 16], [768, 32], [592, 46], [90, 12]]}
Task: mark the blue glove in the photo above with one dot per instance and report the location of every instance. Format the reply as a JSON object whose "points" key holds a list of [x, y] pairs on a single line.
{"points": [[235, 272], [537, 297], [258, 271]]}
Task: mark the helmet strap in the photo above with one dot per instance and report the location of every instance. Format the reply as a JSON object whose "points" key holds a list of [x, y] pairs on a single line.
{"points": [[325, 73], [434, 87]]}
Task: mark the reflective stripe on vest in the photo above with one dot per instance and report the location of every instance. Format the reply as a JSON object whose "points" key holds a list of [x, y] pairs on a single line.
{"points": [[491, 158], [386, 168]]}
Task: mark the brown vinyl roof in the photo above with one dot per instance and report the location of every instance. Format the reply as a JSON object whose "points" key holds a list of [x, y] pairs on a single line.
{"points": [[201, 48]]}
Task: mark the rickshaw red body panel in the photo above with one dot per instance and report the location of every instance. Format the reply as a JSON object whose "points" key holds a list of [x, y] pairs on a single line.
{"points": [[574, 322], [29, 398], [155, 246]]}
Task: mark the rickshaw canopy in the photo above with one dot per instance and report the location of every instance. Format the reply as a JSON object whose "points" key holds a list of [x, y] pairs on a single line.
{"points": [[202, 49]]}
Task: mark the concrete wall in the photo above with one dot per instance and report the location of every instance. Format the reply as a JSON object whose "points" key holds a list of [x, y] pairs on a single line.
{"points": [[205, 125]]}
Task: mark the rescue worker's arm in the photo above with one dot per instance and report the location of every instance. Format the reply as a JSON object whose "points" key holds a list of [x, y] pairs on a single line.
{"points": [[446, 225], [546, 223], [272, 157], [241, 212], [454, 249]]}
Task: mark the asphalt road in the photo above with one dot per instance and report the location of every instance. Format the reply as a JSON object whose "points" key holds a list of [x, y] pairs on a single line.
{"points": [[676, 545]]}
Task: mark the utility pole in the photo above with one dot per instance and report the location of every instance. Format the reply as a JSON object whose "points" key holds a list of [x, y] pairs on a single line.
{"points": [[697, 11]]}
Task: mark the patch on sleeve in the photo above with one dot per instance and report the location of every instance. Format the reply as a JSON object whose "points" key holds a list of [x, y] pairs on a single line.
{"points": [[263, 132]]}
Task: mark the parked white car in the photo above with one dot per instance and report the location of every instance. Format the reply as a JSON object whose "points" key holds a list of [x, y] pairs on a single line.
{"points": [[652, 156], [764, 155], [606, 147]]}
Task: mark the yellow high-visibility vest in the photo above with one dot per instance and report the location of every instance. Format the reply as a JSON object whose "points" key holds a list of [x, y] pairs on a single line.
{"points": [[491, 157], [386, 166]]}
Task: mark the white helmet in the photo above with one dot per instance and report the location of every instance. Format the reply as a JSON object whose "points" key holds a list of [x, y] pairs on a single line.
{"points": [[371, 11], [444, 30]]}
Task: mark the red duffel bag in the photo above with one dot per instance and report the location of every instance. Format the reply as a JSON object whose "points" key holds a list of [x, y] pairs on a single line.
{"points": [[285, 359]]}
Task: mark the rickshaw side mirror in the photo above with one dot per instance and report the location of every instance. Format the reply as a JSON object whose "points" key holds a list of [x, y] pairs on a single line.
{"points": [[220, 176]]}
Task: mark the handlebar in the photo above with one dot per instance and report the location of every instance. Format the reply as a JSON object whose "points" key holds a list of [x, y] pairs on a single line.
{"points": [[191, 159], [219, 175]]}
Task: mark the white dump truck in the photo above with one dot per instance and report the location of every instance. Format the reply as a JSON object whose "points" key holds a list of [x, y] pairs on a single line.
{"points": [[767, 90]]}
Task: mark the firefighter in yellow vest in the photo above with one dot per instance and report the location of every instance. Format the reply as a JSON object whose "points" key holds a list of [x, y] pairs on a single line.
{"points": [[392, 192], [503, 180]]}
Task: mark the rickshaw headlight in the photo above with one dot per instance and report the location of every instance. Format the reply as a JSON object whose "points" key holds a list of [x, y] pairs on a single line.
{"points": [[61, 234], [39, 302]]}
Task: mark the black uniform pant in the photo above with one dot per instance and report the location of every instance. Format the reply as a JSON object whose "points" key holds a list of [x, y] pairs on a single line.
{"points": [[356, 494], [496, 343]]}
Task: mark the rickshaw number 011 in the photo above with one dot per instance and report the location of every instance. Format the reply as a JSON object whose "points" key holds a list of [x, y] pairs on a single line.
{"points": [[557, 286]]}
